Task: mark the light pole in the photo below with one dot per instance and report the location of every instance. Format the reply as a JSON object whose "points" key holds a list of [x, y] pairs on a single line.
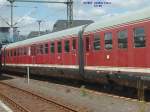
{"points": [[39, 23]]}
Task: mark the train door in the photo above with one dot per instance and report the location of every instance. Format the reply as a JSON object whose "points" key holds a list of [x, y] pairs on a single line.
{"points": [[74, 52], [66, 52], [139, 43], [122, 47], [46, 54], [58, 56], [33, 54], [17, 55], [52, 52], [88, 50], [109, 46], [97, 51]]}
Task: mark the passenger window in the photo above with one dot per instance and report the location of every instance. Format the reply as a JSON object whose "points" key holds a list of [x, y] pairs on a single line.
{"points": [[33, 50], [46, 49], [18, 52], [122, 39], [25, 51], [38, 49], [67, 47], [22, 51], [14, 52], [139, 37], [87, 44], [108, 41], [41, 49], [96, 43], [7, 53], [74, 44], [59, 47], [11, 53], [52, 47]]}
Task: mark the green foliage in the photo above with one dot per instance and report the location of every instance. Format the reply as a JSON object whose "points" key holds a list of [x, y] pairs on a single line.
{"points": [[83, 90]]}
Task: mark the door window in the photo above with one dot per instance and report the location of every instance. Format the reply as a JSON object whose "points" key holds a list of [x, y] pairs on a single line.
{"points": [[67, 47], [108, 40], [87, 44], [139, 37], [122, 39], [96, 43]]}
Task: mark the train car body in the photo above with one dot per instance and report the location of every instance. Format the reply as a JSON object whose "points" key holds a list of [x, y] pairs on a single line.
{"points": [[113, 50]]}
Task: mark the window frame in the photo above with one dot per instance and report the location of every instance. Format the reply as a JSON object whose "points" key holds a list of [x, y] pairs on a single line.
{"points": [[87, 46], [118, 35], [109, 32], [65, 43], [7, 53], [59, 47], [20, 51], [11, 51], [74, 44], [142, 35], [25, 51], [52, 45], [15, 53], [96, 36], [46, 48], [41, 49]]}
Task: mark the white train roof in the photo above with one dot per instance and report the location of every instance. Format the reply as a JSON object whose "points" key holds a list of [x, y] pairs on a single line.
{"points": [[51, 36], [119, 20]]}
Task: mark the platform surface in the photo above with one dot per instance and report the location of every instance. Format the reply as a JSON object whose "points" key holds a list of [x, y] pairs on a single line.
{"points": [[92, 101]]}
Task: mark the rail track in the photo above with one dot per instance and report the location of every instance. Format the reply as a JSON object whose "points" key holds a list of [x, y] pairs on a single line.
{"points": [[14, 104], [10, 99]]}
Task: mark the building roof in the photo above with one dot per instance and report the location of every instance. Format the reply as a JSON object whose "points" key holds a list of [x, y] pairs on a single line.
{"points": [[62, 24], [36, 33]]}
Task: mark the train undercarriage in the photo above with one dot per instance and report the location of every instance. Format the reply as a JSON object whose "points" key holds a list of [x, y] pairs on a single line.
{"points": [[134, 80]]}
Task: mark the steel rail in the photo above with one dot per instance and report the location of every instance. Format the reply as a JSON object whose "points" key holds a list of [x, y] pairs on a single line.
{"points": [[44, 99], [14, 104]]}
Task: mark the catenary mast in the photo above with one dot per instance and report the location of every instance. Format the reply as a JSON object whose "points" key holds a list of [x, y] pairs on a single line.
{"points": [[69, 4]]}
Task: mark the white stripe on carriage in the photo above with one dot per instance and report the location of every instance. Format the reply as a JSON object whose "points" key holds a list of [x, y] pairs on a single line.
{"points": [[96, 68]]}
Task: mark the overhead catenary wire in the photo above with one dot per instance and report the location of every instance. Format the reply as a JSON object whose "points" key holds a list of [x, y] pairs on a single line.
{"points": [[23, 18]]}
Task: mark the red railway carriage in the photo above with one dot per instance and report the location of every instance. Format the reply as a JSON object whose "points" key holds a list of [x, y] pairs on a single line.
{"points": [[113, 50]]}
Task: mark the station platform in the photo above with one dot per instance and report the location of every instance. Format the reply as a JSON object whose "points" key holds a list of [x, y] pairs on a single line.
{"points": [[4, 108]]}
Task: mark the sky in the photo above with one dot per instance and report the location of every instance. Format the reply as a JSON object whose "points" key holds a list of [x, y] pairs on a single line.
{"points": [[26, 15]]}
